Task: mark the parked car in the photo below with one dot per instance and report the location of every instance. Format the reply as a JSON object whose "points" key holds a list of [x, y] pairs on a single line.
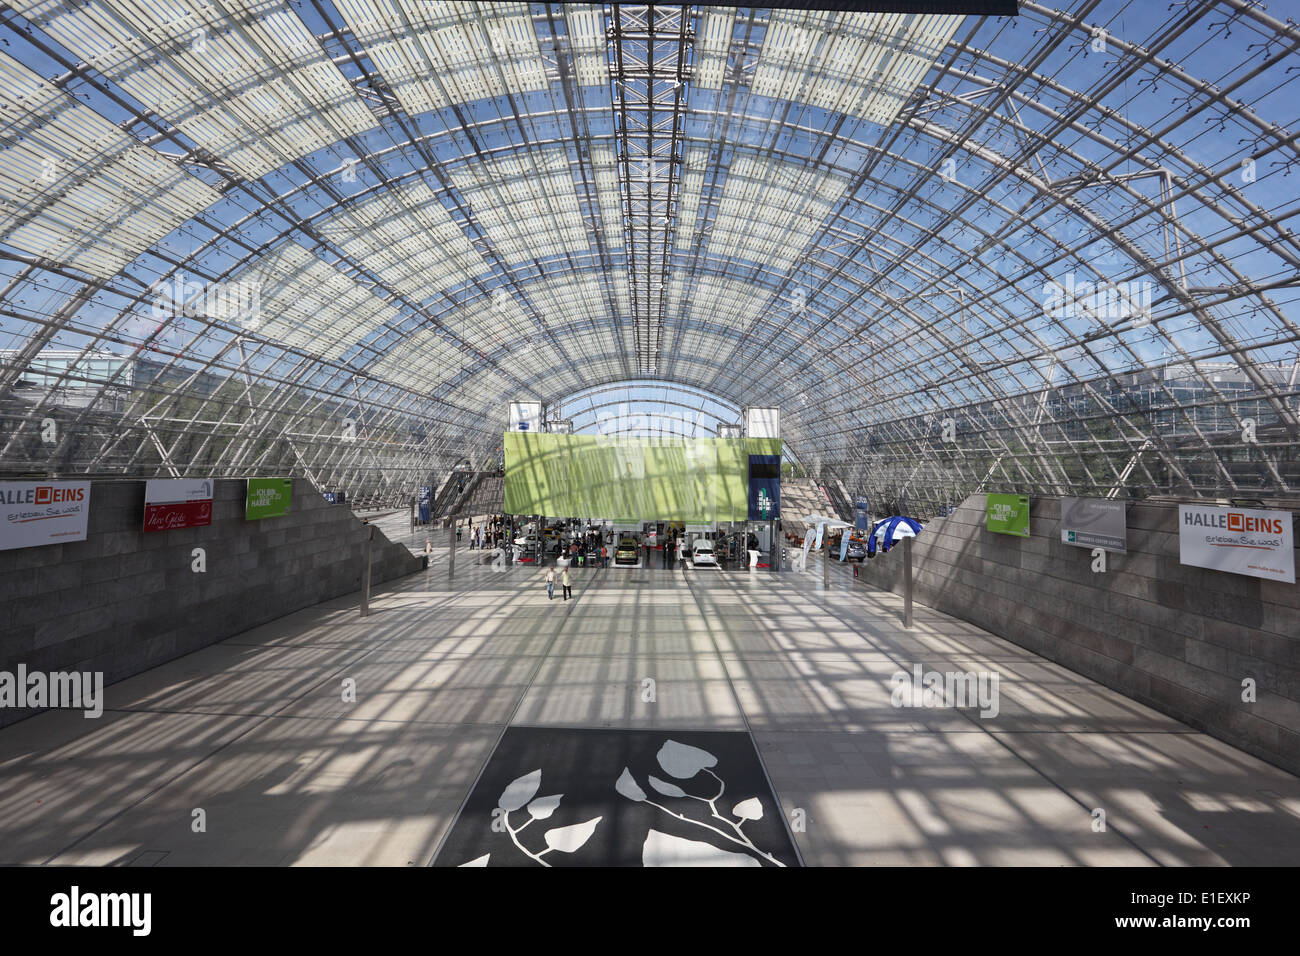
{"points": [[856, 551], [702, 555], [628, 553]]}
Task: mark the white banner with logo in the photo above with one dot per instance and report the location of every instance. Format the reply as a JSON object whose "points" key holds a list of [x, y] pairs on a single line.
{"points": [[1093, 523], [43, 512], [1237, 540]]}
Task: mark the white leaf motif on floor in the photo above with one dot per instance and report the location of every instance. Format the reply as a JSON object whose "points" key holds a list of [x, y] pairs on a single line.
{"points": [[480, 861], [520, 791], [627, 786], [543, 807], [684, 761], [667, 789], [750, 809], [664, 849], [571, 838]]}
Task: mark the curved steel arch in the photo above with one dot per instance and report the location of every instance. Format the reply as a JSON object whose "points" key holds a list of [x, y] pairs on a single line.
{"points": [[895, 292]]}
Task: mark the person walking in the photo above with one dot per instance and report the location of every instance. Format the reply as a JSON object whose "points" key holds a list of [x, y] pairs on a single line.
{"points": [[567, 583], [550, 584], [604, 557]]}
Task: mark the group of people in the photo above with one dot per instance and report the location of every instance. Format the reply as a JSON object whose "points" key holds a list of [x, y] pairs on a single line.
{"points": [[593, 544], [591, 547], [487, 534]]}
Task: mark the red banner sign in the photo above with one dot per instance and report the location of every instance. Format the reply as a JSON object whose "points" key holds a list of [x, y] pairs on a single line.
{"points": [[169, 505], [177, 514]]}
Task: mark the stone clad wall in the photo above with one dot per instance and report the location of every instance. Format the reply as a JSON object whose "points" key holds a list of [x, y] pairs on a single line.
{"points": [[1179, 639], [123, 601]]}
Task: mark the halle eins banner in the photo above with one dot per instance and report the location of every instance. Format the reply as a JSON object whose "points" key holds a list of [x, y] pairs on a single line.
{"points": [[43, 512], [1237, 540]]}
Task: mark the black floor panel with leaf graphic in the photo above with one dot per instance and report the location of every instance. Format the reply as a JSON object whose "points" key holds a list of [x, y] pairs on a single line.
{"points": [[571, 797]]}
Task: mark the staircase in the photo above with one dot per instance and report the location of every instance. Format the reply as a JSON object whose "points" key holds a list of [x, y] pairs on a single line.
{"points": [[467, 493], [840, 503], [801, 496]]}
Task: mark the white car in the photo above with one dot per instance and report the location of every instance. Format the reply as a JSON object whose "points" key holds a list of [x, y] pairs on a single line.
{"points": [[702, 555]]}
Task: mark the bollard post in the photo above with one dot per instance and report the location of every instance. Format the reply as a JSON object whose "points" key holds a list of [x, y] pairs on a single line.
{"points": [[826, 562], [451, 550], [365, 576], [907, 582]]}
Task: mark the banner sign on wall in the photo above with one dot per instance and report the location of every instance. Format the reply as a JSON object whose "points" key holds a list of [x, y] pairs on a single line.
{"points": [[631, 480], [268, 497], [1008, 514], [1237, 540], [762, 422], [764, 487], [177, 503], [43, 512], [1094, 523], [861, 513], [525, 416], [426, 502]]}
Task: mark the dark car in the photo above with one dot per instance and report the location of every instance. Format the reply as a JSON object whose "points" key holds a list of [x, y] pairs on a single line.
{"points": [[856, 551]]}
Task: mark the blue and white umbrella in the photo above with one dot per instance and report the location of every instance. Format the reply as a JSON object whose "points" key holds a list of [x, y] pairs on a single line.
{"points": [[889, 531]]}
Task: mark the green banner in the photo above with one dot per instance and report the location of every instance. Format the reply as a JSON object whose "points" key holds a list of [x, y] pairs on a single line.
{"points": [[1008, 514], [268, 498], [630, 480]]}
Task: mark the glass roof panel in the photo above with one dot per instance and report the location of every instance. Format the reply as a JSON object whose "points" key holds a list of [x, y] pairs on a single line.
{"points": [[75, 189], [249, 85], [1067, 232]]}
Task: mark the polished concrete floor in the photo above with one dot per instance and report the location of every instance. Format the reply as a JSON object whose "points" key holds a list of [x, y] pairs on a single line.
{"points": [[247, 752]]}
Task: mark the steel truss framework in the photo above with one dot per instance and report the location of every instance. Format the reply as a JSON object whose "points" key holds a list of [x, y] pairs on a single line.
{"points": [[658, 409], [1051, 252]]}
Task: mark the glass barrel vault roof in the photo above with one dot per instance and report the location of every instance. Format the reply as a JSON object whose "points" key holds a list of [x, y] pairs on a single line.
{"points": [[1051, 252]]}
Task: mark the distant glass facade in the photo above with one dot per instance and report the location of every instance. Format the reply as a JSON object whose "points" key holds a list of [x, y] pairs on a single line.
{"points": [[52, 369]]}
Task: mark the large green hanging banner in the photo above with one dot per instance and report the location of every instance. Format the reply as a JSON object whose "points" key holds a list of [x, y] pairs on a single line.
{"points": [[268, 498], [630, 480], [1008, 514]]}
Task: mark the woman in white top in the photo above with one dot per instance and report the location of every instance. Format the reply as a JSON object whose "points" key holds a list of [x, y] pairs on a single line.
{"points": [[550, 584]]}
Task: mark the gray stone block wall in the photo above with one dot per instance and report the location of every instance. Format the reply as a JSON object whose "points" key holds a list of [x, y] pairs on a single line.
{"points": [[1179, 639], [123, 601]]}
